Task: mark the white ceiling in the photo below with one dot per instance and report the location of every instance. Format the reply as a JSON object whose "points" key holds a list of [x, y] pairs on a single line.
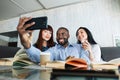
{"points": [[14, 8]]}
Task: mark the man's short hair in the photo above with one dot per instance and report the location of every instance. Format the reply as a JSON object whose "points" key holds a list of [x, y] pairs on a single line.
{"points": [[63, 28]]}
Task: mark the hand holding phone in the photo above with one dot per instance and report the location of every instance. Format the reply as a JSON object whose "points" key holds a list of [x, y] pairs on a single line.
{"points": [[40, 23]]}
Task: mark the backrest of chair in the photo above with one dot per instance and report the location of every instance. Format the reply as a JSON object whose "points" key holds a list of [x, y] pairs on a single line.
{"points": [[109, 53], [7, 52]]}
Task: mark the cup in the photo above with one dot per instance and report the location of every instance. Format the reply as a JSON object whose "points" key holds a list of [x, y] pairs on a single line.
{"points": [[44, 58]]}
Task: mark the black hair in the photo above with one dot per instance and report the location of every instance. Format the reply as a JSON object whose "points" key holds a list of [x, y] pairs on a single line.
{"points": [[63, 28]]}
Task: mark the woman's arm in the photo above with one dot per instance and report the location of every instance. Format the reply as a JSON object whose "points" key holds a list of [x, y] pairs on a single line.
{"points": [[25, 35], [34, 54], [96, 52]]}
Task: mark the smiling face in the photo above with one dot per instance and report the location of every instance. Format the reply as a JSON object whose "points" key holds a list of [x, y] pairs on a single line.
{"points": [[62, 37], [46, 35], [82, 35]]}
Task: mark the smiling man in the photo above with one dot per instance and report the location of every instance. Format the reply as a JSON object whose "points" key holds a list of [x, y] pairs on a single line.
{"points": [[63, 36]]}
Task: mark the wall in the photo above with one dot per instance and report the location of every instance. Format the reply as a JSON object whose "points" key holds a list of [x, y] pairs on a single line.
{"points": [[100, 16]]}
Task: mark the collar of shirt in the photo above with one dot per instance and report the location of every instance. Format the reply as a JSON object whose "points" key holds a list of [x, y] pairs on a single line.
{"points": [[60, 46]]}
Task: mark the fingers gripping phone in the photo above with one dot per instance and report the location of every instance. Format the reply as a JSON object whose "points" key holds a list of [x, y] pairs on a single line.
{"points": [[40, 23]]}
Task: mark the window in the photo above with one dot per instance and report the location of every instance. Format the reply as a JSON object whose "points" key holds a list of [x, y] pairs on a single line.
{"points": [[9, 38]]}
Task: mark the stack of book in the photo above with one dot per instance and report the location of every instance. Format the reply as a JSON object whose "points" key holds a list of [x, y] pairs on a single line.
{"points": [[113, 64]]}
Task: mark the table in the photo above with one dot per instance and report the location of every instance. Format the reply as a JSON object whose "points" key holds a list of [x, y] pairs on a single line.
{"points": [[42, 73], [23, 73], [61, 74]]}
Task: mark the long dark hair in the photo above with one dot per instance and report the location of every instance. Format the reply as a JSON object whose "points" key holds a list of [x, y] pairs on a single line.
{"points": [[90, 37], [50, 42]]}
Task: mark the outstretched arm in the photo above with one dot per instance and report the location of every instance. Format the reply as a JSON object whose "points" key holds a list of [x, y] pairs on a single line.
{"points": [[25, 35]]}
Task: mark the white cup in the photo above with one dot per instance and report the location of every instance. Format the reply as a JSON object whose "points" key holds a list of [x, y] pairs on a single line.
{"points": [[44, 58]]}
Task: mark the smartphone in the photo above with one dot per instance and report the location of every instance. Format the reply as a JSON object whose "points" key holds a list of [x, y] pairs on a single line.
{"points": [[40, 23]]}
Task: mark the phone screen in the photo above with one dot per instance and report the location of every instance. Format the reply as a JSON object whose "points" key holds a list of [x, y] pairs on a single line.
{"points": [[40, 23]]}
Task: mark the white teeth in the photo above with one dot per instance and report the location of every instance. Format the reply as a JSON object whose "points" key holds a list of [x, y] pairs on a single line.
{"points": [[61, 40]]}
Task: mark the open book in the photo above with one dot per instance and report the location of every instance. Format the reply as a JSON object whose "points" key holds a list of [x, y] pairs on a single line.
{"points": [[21, 59], [74, 63], [112, 64]]}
